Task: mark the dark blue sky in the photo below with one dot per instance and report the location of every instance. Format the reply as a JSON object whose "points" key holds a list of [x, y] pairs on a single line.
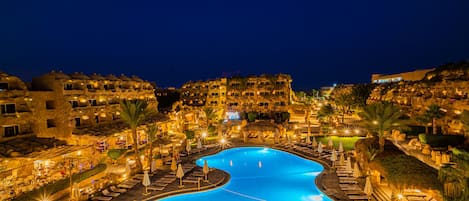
{"points": [[170, 42]]}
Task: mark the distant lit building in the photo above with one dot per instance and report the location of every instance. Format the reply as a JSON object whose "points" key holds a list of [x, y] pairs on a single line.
{"points": [[406, 76], [265, 93]]}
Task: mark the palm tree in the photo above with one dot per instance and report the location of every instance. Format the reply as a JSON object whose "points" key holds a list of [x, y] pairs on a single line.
{"points": [[344, 102], [210, 114], [308, 104], [133, 112], [151, 133], [380, 118], [434, 112], [326, 111]]}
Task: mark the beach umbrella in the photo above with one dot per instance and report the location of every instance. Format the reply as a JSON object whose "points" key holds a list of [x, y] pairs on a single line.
{"points": [[199, 143], [349, 165], [320, 148], [341, 146], [356, 171], [333, 156], [315, 143], [330, 144], [205, 170], [153, 166], [173, 165], [368, 188], [342, 159], [146, 180], [308, 140], [188, 147], [180, 174]]}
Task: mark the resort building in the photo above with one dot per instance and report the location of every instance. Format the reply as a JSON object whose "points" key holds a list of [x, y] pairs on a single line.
{"points": [[406, 76], [16, 117], [83, 104], [265, 93]]}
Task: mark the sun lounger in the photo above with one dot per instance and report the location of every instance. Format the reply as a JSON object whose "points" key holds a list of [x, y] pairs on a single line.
{"points": [[169, 176], [126, 186], [357, 197], [354, 192], [159, 184], [102, 198], [117, 190], [155, 188], [109, 194]]}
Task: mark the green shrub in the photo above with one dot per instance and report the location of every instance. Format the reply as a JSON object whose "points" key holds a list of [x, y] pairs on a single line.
{"points": [[252, 116], [190, 134], [114, 154], [442, 140], [61, 184], [423, 138]]}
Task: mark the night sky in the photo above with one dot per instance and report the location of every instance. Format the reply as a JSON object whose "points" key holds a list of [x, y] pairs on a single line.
{"points": [[171, 42]]}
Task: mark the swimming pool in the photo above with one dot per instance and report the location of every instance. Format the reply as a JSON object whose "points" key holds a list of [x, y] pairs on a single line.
{"points": [[259, 174]]}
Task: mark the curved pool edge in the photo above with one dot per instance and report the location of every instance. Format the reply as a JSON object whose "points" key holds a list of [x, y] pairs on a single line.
{"points": [[214, 186], [225, 181]]}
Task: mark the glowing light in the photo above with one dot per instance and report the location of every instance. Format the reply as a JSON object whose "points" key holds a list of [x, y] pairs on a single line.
{"points": [[260, 164], [223, 141], [204, 134], [347, 131], [356, 131], [375, 122], [334, 131], [79, 153], [400, 196]]}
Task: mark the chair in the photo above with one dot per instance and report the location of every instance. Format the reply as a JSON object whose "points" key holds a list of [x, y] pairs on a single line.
{"points": [[107, 193]]}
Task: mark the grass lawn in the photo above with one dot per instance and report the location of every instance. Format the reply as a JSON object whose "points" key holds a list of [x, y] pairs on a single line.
{"points": [[348, 142]]}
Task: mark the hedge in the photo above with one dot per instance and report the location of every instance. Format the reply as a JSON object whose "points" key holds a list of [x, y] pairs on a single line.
{"points": [[61, 184], [441, 140]]}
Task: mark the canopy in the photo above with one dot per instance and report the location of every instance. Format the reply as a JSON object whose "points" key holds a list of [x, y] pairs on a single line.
{"points": [[315, 143], [330, 144], [368, 188]]}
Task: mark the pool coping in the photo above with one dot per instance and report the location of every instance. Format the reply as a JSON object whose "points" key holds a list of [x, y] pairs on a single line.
{"points": [[225, 180]]}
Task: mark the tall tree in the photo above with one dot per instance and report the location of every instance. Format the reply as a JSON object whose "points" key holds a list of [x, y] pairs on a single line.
{"points": [[210, 115], [151, 133], [434, 113], [380, 118], [134, 112], [360, 94], [344, 102], [326, 111]]}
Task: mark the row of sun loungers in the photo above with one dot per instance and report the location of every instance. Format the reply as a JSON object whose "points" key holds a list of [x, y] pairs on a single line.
{"points": [[349, 184]]}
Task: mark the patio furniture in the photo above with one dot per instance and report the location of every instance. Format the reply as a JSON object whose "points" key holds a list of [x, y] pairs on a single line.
{"points": [[101, 198], [155, 188], [109, 194], [117, 190]]}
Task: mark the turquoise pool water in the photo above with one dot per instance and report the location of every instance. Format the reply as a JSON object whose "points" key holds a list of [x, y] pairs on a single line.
{"points": [[261, 174]]}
